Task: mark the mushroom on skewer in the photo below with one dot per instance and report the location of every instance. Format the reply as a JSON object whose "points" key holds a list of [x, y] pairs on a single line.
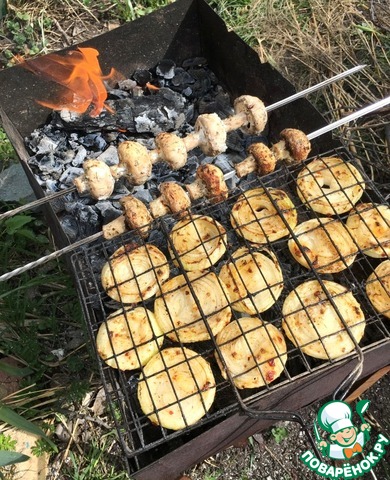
{"points": [[294, 147], [135, 161], [173, 199]]}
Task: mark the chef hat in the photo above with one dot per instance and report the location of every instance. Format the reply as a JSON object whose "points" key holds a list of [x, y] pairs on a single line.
{"points": [[335, 416]]}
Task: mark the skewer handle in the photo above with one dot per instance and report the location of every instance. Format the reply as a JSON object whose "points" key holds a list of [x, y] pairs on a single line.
{"points": [[48, 258], [36, 203]]}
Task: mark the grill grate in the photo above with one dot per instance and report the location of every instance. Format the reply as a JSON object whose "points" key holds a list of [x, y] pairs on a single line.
{"points": [[138, 435]]}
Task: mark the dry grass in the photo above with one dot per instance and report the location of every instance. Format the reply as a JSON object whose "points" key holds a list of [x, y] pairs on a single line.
{"points": [[312, 40]]}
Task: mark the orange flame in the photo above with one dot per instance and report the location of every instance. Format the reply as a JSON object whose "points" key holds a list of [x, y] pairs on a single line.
{"points": [[80, 73]]}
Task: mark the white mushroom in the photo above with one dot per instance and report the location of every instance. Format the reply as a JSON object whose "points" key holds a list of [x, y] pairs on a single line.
{"points": [[294, 146], [210, 135], [96, 180], [209, 183], [250, 115], [173, 199], [137, 216], [171, 149], [134, 163], [260, 160]]}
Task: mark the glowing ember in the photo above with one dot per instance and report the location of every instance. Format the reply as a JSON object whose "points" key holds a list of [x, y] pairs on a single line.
{"points": [[79, 72]]}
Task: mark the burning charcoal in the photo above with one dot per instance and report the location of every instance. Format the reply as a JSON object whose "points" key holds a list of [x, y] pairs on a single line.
{"points": [[187, 92], [109, 156], [108, 211], [51, 185], [81, 155], [70, 174], [142, 77], [166, 69], [86, 216], [44, 141], [182, 78], [94, 140], [235, 142], [165, 110]]}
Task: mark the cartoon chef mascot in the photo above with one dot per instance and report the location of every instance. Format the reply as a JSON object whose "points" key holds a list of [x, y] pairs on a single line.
{"points": [[345, 439]]}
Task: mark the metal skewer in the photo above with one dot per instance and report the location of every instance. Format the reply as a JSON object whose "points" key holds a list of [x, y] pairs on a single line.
{"points": [[274, 106], [359, 113]]}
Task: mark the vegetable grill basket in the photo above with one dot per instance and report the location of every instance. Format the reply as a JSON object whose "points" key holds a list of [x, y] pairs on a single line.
{"points": [[143, 441]]}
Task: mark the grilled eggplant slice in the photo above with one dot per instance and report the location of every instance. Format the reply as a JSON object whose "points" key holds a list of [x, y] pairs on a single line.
{"points": [[263, 215], [134, 274], [330, 186], [254, 352], [176, 388], [314, 325]]}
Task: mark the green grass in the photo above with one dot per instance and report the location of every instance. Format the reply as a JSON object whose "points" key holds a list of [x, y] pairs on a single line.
{"points": [[7, 152]]}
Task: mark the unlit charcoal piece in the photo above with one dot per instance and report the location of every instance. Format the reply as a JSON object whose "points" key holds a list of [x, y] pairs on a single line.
{"points": [[166, 69], [142, 77], [70, 175], [108, 211], [93, 140], [182, 78], [163, 111], [80, 156]]}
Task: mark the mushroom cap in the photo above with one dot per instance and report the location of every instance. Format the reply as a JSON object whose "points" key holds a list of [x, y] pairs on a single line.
{"points": [[265, 159], [255, 112], [172, 149], [97, 179], [212, 134], [214, 182], [135, 158], [297, 143], [174, 197], [136, 214]]}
